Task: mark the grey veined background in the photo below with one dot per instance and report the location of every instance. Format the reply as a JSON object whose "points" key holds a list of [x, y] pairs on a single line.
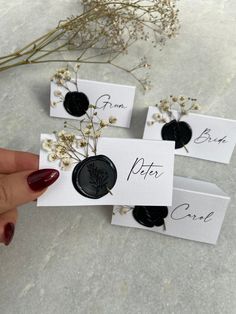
{"points": [[71, 260]]}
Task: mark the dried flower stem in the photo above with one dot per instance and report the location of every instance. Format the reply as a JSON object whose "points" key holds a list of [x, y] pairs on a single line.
{"points": [[106, 27]]}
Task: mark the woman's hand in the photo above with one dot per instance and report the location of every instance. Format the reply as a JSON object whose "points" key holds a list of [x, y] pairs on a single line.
{"points": [[20, 182]]}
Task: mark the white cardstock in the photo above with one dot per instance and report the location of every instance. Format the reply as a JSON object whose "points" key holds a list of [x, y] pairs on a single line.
{"points": [[144, 174], [197, 212], [110, 100], [212, 138]]}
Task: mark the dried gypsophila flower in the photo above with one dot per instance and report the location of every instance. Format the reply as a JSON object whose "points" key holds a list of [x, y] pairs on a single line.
{"points": [[122, 210], [106, 27], [104, 123], [48, 145], [66, 163], [69, 147], [61, 76], [52, 157], [57, 93], [82, 143], [182, 104], [112, 120]]}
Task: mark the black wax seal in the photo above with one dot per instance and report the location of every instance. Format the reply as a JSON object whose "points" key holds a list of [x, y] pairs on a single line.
{"points": [[76, 103], [95, 176], [178, 131], [150, 216]]}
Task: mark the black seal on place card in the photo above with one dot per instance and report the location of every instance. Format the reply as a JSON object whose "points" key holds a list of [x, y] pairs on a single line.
{"points": [[94, 177], [150, 216], [178, 131], [76, 103]]}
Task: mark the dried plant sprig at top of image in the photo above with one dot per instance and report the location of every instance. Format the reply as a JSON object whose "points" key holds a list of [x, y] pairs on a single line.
{"points": [[181, 104], [79, 142], [104, 31]]}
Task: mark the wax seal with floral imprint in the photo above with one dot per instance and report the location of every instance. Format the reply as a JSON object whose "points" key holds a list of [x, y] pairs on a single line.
{"points": [[93, 175]]}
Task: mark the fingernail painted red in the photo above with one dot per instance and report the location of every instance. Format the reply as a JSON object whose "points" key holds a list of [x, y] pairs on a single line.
{"points": [[9, 230], [41, 179]]}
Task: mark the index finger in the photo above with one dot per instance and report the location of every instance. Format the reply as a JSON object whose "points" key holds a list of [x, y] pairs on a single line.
{"points": [[14, 161]]}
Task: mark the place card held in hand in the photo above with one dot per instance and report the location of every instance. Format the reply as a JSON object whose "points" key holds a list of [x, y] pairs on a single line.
{"points": [[124, 171]]}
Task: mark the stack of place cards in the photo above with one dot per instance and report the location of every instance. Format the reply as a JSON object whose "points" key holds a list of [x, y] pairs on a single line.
{"points": [[197, 212], [140, 172], [212, 138], [109, 99], [144, 174]]}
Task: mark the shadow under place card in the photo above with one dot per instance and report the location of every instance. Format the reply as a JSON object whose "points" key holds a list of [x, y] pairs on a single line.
{"points": [[197, 212], [212, 138], [124, 171], [110, 100]]}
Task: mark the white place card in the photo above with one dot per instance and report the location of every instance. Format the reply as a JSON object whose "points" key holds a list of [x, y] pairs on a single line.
{"points": [[212, 138], [197, 212], [110, 100], [144, 174]]}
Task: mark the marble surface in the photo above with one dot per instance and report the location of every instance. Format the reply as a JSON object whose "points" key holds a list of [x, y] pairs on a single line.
{"points": [[71, 260]]}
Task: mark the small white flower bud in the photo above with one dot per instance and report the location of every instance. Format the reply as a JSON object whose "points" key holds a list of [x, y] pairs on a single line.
{"points": [[103, 123]]}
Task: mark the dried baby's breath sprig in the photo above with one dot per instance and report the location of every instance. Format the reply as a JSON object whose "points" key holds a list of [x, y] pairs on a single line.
{"points": [[181, 104], [170, 112], [105, 30], [61, 78], [79, 142], [112, 120], [122, 210]]}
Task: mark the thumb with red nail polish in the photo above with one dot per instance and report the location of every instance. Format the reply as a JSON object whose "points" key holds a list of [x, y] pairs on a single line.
{"points": [[41, 179], [20, 183], [23, 187]]}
